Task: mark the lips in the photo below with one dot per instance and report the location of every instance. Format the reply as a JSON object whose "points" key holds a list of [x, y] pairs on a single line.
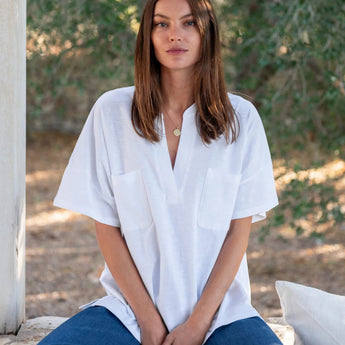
{"points": [[176, 51]]}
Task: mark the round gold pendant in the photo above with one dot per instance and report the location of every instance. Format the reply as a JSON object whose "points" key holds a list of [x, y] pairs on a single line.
{"points": [[177, 132]]}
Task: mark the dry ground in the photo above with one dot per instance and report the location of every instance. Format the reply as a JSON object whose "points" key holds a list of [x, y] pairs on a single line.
{"points": [[63, 260]]}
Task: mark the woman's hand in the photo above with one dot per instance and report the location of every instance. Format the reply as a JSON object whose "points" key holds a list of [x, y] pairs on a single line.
{"points": [[186, 334], [153, 332]]}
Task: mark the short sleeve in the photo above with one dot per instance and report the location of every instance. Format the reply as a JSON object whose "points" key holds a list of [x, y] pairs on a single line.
{"points": [[257, 192], [86, 184]]}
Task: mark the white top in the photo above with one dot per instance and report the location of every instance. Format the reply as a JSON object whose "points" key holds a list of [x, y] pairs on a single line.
{"points": [[174, 221]]}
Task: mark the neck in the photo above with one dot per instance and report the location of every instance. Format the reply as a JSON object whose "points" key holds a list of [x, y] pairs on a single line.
{"points": [[177, 90]]}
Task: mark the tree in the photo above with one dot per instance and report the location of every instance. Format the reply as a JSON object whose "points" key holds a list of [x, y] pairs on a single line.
{"points": [[76, 50], [289, 56]]}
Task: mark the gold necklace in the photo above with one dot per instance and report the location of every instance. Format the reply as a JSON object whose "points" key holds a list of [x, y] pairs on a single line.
{"points": [[177, 130]]}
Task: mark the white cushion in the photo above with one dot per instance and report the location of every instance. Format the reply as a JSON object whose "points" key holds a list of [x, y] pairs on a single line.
{"points": [[317, 317]]}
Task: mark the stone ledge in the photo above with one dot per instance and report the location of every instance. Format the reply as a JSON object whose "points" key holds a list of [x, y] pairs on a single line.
{"points": [[32, 331], [284, 331]]}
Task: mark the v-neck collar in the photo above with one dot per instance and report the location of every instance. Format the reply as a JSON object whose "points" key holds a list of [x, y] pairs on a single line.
{"points": [[173, 178]]}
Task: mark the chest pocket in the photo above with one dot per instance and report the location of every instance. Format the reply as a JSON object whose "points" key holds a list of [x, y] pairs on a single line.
{"points": [[131, 201], [218, 199]]}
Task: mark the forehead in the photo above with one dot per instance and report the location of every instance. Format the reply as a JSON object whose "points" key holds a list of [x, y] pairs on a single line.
{"points": [[171, 7]]}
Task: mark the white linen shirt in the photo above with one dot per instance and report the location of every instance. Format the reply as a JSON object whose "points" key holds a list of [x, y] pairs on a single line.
{"points": [[174, 220]]}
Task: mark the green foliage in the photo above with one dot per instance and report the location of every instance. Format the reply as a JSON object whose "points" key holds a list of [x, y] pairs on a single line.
{"points": [[305, 202], [76, 50], [289, 56]]}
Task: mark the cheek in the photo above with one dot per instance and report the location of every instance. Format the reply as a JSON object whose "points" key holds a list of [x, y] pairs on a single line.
{"points": [[198, 45], [155, 42], [197, 41]]}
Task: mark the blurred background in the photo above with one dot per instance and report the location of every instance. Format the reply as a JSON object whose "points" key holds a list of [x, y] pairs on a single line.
{"points": [[287, 57]]}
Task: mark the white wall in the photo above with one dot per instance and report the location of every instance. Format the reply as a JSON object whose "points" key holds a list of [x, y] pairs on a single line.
{"points": [[12, 164]]}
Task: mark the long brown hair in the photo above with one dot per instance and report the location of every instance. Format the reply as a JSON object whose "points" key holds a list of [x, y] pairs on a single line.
{"points": [[215, 114]]}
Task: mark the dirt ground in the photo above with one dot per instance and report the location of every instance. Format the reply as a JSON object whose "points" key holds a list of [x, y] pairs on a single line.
{"points": [[64, 262]]}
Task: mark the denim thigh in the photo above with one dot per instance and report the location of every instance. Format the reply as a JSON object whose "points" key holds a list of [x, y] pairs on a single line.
{"points": [[92, 326], [251, 331]]}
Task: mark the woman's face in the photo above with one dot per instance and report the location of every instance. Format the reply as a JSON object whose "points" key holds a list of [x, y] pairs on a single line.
{"points": [[175, 36]]}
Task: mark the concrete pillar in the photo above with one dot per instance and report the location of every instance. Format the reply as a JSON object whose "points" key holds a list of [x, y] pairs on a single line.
{"points": [[12, 164]]}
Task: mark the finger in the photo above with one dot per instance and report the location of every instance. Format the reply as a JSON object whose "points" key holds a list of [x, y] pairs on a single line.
{"points": [[168, 340]]}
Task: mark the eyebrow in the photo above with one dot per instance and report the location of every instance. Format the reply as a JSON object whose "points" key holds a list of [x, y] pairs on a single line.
{"points": [[166, 17]]}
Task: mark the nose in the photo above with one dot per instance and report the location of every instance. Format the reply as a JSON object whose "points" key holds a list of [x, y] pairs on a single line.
{"points": [[175, 35]]}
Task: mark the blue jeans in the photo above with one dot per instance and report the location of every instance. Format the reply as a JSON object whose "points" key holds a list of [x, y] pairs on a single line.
{"points": [[98, 326]]}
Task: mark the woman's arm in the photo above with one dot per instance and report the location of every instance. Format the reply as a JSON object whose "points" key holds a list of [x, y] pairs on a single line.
{"points": [[193, 331], [124, 271]]}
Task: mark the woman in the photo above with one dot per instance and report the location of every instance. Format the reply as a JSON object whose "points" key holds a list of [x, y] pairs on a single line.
{"points": [[173, 172]]}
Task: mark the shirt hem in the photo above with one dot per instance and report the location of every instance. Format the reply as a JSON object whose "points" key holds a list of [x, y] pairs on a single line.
{"points": [[238, 317], [121, 311]]}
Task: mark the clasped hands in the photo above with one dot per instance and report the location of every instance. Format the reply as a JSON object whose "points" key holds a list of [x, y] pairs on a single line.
{"points": [[188, 333]]}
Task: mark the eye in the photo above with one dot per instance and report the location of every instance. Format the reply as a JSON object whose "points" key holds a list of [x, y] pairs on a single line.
{"points": [[190, 23], [161, 25]]}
